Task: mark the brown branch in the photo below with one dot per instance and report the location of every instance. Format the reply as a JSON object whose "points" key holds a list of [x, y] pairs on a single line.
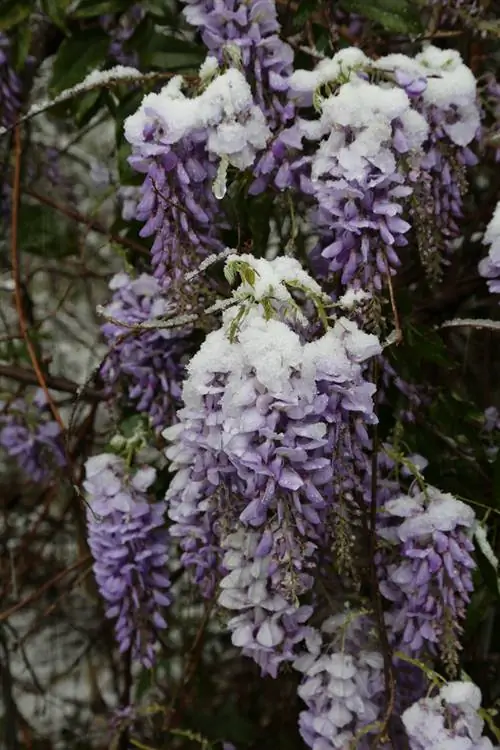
{"points": [[28, 377], [87, 221], [47, 585], [16, 273]]}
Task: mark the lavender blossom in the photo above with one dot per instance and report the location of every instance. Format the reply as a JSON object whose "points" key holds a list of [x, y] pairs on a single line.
{"points": [[233, 31], [31, 437], [264, 413], [447, 721], [150, 363], [129, 544], [10, 85], [120, 30], [425, 572], [185, 147], [343, 685], [489, 267]]}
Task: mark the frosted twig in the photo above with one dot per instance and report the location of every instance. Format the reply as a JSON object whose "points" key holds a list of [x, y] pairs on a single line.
{"points": [[207, 262], [491, 325], [96, 79]]}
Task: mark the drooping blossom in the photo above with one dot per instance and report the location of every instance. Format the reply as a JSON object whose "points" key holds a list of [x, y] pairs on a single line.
{"points": [[265, 410], [31, 437], [425, 571], [185, 145], [449, 720], [150, 363], [489, 267], [120, 30], [343, 684], [235, 31], [129, 544]]}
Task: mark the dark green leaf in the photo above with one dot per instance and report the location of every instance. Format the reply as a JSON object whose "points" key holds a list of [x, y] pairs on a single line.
{"points": [[56, 11], [496, 481], [92, 8], [45, 233], [77, 56], [13, 12], [400, 16]]}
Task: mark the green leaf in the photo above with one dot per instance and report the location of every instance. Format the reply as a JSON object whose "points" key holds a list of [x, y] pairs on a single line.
{"points": [[496, 481], [44, 233], [56, 11], [400, 16], [92, 8], [78, 55], [13, 12]]}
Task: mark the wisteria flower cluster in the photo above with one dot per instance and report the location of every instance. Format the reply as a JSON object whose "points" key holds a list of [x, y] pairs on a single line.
{"points": [[284, 504], [265, 411], [129, 544], [448, 721], [31, 437], [428, 580], [149, 361]]}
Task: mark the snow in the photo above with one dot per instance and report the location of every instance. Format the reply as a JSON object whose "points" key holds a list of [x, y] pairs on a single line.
{"points": [[353, 297], [328, 70], [492, 233], [441, 512], [271, 275], [236, 127], [209, 68]]}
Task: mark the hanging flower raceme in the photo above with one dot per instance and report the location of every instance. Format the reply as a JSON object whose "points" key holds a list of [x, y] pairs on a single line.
{"points": [[366, 133], [185, 146], [149, 362], [343, 684], [449, 104], [247, 33], [392, 153], [425, 571], [267, 440], [120, 31], [448, 721], [10, 89], [489, 267], [31, 437], [129, 545]]}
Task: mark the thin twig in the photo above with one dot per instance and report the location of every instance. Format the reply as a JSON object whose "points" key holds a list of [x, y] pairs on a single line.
{"points": [[90, 223], [64, 385], [16, 273]]}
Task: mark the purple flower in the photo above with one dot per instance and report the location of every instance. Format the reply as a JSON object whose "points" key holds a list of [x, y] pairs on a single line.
{"points": [[489, 267], [425, 572], [267, 440], [149, 362], [129, 544], [447, 721], [32, 438], [343, 684]]}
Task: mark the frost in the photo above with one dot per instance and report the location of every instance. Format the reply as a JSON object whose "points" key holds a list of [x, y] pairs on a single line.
{"points": [[481, 538]]}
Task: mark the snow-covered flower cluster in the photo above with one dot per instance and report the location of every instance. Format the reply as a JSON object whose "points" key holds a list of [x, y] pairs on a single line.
{"points": [[149, 362], [489, 267], [447, 721], [267, 442], [426, 571], [31, 437], [388, 130], [129, 544]]}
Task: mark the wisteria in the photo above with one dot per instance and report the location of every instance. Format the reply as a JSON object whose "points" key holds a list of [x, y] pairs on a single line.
{"points": [[343, 684], [289, 361], [31, 437], [264, 412], [129, 544], [447, 721], [150, 362], [489, 267], [427, 571]]}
